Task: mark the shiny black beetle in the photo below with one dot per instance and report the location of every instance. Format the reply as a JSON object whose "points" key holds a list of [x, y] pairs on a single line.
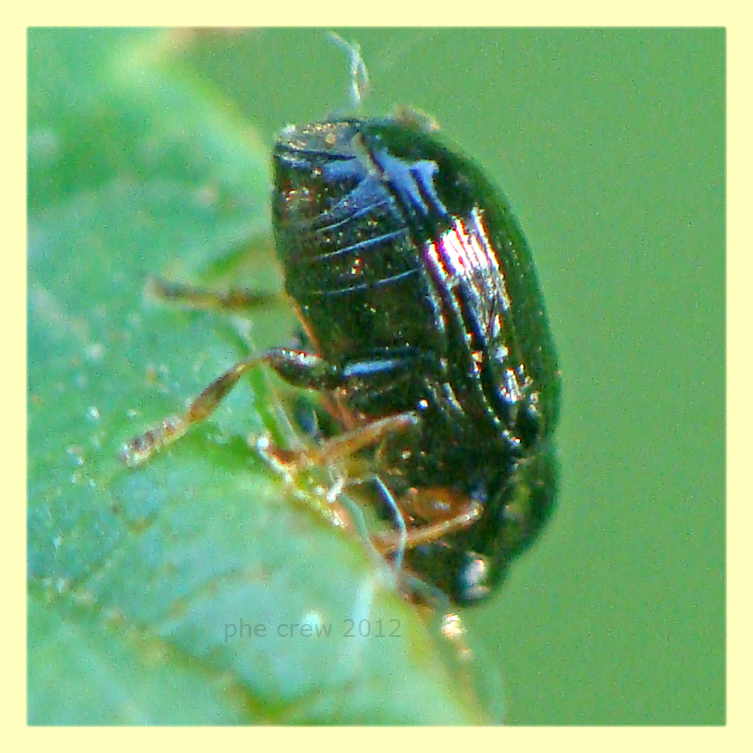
{"points": [[424, 332]]}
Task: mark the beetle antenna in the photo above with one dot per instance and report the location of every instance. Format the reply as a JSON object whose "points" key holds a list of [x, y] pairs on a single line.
{"points": [[359, 73]]}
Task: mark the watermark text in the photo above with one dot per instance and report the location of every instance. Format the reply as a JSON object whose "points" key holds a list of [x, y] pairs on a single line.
{"points": [[382, 628]]}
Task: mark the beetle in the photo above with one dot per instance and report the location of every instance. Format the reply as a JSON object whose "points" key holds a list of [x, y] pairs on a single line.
{"points": [[425, 334]]}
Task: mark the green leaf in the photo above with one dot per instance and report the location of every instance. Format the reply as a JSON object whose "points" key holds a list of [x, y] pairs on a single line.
{"points": [[175, 593]]}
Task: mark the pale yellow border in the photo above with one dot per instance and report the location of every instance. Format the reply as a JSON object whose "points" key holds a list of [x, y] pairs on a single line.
{"points": [[731, 15]]}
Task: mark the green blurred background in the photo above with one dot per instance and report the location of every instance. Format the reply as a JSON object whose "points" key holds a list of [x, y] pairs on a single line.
{"points": [[609, 144]]}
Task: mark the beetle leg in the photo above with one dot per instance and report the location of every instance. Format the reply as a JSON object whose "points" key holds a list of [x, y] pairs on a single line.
{"points": [[298, 367], [295, 366], [303, 369], [231, 299], [342, 446], [139, 449], [468, 513]]}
